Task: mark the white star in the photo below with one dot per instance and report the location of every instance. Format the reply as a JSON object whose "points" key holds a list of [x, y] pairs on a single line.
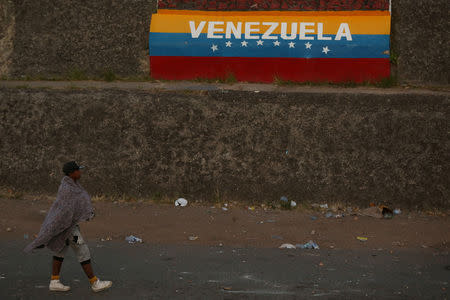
{"points": [[326, 50], [308, 45], [228, 44], [244, 44], [259, 43], [214, 48], [291, 45], [276, 43]]}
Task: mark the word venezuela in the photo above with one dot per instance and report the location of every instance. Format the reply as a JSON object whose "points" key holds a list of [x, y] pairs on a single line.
{"points": [[302, 30], [264, 46]]}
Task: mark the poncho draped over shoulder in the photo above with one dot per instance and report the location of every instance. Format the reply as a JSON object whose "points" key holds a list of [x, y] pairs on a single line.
{"points": [[72, 206]]}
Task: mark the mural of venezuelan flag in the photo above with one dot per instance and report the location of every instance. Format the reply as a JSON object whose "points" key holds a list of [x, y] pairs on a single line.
{"points": [[260, 46]]}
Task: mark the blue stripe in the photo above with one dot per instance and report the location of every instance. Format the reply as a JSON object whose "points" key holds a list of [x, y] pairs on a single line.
{"points": [[182, 44]]}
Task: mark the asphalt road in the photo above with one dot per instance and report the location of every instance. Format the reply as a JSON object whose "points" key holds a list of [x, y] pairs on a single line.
{"points": [[145, 271]]}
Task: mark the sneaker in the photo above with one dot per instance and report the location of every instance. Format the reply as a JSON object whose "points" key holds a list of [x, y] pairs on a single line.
{"points": [[57, 286], [99, 285]]}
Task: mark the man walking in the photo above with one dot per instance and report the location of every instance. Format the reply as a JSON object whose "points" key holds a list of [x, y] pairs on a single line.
{"points": [[60, 229]]}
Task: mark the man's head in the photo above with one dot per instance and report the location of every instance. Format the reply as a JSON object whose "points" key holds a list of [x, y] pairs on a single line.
{"points": [[72, 169]]}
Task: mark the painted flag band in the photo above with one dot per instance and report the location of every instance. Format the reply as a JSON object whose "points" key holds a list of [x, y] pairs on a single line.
{"points": [[261, 46]]}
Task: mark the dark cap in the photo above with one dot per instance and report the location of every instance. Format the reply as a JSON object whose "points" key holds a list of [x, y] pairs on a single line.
{"points": [[70, 167]]}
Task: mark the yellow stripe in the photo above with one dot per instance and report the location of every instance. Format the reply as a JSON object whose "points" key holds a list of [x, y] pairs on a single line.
{"points": [[172, 23]]}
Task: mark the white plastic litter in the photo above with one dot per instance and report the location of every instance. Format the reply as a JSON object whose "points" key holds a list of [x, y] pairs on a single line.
{"points": [[287, 246], [181, 202], [293, 204], [133, 239]]}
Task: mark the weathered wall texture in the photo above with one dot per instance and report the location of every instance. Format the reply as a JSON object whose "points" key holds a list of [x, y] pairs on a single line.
{"points": [[420, 31], [355, 147], [55, 38], [7, 27], [313, 5]]}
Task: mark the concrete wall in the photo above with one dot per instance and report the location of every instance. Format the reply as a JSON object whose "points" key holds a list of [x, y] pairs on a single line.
{"points": [[357, 147], [56, 38], [59, 38], [420, 31]]}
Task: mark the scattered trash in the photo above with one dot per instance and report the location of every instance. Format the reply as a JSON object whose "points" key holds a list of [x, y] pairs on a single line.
{"points": [[285, 203], [329, 215], [387, 212], [321, 264], [361, 238], [224, 208], [373, 211], [339, 216], [277, 237], [287, 246], [323, 205], [181, 202], [106, 239], [378, 212], [313, 218], [251, 208], [193, 238], [398, 243], [313, 232], [397, 211], [25, 236], [293, 204], [226, 288], [133, 239], [8, 229], [2, 276], [308, 245]]}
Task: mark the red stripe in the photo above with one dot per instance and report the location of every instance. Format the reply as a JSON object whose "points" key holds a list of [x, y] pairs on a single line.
{"points": [[266, 69]]}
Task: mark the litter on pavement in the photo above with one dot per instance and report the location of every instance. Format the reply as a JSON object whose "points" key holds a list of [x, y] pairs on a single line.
{"points": [[133, 239], [308, 245], [362, 238], [181, 202], [287, 246]]}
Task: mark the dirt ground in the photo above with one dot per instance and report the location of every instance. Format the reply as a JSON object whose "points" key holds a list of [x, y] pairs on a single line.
{"points": [[237, 227]]}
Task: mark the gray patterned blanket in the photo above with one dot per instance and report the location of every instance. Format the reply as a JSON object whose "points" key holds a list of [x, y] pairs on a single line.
{"points": [[72, 205]]}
